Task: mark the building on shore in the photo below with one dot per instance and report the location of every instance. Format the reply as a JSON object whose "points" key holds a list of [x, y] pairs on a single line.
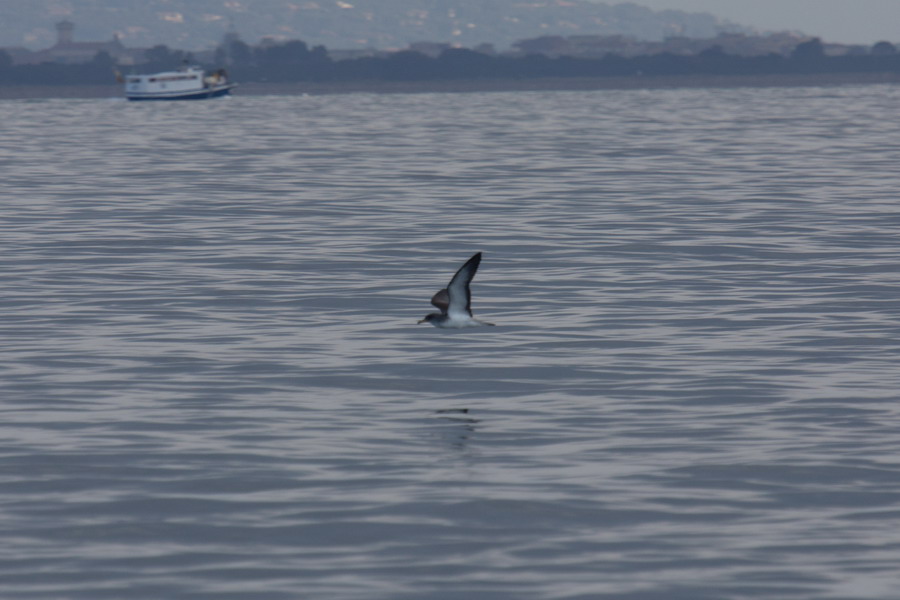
{"points": [[67, 51]]}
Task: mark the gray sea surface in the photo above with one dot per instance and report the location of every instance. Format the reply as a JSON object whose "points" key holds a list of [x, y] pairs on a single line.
{"points": [[213, 386]]}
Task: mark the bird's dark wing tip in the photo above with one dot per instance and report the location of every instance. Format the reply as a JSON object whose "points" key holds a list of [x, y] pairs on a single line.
{"points": [[472, 263]]}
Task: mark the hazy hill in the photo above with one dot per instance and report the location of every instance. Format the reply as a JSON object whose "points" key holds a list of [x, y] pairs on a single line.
{"points": [[195, 24]]}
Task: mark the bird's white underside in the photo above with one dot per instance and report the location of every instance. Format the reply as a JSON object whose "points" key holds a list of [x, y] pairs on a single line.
{"points": [[458, 321]]}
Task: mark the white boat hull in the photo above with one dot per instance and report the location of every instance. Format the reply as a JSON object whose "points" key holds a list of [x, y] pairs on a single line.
{"points": [[201, 94]]}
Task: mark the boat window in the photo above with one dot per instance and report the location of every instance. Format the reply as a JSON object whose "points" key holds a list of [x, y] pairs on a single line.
{"points": [[175, 78]]}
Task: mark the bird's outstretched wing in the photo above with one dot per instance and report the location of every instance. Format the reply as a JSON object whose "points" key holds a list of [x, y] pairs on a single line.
{"points": [[460, 297], [442, 300]]}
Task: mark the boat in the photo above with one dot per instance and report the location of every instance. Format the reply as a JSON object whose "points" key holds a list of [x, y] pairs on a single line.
{"points": [[187, 83]]}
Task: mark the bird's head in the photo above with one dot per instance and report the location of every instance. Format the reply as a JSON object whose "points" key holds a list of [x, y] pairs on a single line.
{"points": [[429, 318]]}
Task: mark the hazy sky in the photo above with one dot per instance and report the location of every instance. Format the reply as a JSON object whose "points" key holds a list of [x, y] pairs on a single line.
{"points": [[848, 21]]}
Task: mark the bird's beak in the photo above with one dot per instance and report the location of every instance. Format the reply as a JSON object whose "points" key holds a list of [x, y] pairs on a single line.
{"points": [[422, 321]]}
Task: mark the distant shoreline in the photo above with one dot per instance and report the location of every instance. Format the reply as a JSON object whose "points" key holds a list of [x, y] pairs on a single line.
{"points": [[22, 92]]}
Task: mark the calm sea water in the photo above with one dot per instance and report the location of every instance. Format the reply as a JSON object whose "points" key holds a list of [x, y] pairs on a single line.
{"points": [[213, 385]]}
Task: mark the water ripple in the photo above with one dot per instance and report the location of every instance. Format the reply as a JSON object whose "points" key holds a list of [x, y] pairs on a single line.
{"points": [[214, 387]]}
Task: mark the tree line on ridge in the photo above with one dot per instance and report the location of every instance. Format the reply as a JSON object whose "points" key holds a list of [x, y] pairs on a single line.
{"points": [[294, 61]]}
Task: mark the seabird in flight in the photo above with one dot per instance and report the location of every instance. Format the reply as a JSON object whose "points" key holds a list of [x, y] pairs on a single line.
{"points": [[455, 300]]}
